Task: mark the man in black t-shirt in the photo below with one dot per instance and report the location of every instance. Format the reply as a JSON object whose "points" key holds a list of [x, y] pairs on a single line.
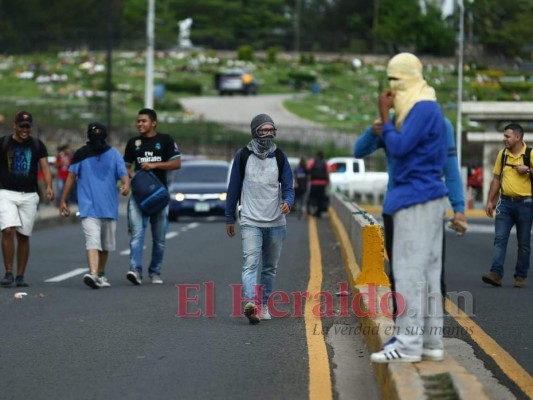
{"points": [[156, 152], [20, 157]]}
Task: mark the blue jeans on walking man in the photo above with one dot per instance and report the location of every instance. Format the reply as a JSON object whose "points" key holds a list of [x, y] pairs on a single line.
{"points": [[260, 244], [137, 225], [509, 213]]}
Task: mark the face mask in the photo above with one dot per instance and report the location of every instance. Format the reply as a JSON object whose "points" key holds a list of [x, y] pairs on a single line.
{"points": [[96, 137], [264, 143], [397, 85]]}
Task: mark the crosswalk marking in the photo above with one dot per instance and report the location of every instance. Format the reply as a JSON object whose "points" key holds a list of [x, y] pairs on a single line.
{"points": [[67, 275]]}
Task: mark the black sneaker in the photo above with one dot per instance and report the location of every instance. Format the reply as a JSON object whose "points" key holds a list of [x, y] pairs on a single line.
{"points": [[7, 280], [19, 281], [250, 312], [134, 277], [91, 281]]}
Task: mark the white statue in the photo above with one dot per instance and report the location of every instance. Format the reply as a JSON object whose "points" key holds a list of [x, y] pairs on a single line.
{"points": [[184, 41]]}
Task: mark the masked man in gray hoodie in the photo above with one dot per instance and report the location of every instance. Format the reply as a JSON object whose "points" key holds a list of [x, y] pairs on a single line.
{"points": [[261, 180]]}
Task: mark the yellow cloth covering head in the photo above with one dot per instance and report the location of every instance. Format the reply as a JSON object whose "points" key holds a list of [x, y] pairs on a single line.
{"points": [[408, 85]]}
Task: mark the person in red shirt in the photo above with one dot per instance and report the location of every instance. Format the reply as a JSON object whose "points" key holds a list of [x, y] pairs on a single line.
{"points": [[317, 202], [63, 160]]}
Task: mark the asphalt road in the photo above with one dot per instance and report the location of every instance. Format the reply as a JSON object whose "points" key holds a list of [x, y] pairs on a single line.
{"points": [[136, 342], [64, 340], [503, 313]]}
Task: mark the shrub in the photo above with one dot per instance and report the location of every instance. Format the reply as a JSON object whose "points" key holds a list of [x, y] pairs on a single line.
{"points": [[492, 73], [245, 53], [184, 86], [487, 91], [168, 104], [300, 79], [333, 69], [307, 58], [517, 86], [272, 54]]}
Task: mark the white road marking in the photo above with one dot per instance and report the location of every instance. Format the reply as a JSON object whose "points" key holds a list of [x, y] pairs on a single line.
{"points": [[67, 275], [192, 225], [127, 252]]}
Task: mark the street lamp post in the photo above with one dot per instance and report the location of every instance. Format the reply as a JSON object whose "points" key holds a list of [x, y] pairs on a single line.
{"points": [[459, 127], [149, 73], [109, 67], [297, 11]]}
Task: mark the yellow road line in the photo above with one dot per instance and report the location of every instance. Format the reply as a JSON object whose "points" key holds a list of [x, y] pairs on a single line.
{"points": [[319, 374], [504, 360]]}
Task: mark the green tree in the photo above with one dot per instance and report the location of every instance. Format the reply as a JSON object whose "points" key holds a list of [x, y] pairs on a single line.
{"points": [[336, 24], [502, 26], [402, 25], [232, 23]]}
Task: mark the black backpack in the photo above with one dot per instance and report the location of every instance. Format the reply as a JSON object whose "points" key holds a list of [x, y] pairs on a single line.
{"points": [[318, 170], [527, 161], [245, 154]]}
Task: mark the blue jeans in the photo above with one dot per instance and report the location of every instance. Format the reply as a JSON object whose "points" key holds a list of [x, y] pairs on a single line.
{"points": [[513, 213], [260, 244], [60, 184], [137, 222]]}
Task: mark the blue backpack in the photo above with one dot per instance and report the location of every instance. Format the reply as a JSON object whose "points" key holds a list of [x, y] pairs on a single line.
{"points": [[149, 193]]}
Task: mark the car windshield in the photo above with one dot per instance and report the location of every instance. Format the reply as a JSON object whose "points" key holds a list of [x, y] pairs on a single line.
{"points": [[201, 173]]}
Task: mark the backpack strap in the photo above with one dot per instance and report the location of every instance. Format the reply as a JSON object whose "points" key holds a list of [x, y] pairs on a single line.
{"points": [[503, 159], [245, 154], [5, 141], [281, 162], [527, 161]]}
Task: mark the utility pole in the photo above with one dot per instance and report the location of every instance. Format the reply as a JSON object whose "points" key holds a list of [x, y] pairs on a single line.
{"points": [[149, 74], [459, 127], [297, 12], [109, 66]]}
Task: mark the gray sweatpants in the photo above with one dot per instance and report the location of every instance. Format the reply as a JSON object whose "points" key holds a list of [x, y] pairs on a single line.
{"points": [[417, 253]]}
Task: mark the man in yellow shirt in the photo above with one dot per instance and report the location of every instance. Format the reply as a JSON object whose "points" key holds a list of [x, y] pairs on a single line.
{"points": [[510, 195]]}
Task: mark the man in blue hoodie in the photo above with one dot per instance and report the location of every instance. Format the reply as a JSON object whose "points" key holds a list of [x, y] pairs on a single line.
{"points": [[261, 179], [371, 141], [417, 144]]}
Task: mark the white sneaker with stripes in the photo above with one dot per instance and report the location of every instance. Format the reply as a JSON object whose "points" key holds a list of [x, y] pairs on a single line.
{"points": [[393, 355]]}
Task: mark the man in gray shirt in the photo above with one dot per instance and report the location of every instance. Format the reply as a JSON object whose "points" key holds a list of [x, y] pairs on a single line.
{"points": [[261, 179]]}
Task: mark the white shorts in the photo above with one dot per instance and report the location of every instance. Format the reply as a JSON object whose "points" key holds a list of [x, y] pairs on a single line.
{"points": [[18, 210], [99, 233]]}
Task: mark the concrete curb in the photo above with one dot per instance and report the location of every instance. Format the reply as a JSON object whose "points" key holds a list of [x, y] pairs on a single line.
{"points": [[401, 381]]}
